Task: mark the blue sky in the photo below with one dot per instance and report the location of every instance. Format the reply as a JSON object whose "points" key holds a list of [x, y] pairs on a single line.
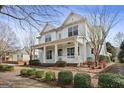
{"points": [[77, 9]]}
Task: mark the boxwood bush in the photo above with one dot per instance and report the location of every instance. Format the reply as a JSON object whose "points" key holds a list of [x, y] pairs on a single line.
{"points": [[6, 68], [61, 63], [31, 72], [50, 76], [103, 57], [23, 72], [82, 80], [9, 68], [111, 80], [65, 78], [39, 74], [89, 59], [34, 62]]}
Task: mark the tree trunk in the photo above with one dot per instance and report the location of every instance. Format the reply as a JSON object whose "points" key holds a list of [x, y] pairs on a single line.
{"points": [[96, 59], [31, 57]]}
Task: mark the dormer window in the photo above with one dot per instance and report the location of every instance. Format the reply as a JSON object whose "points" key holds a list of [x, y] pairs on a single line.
{"points": [[72, 31], [47, 38]]}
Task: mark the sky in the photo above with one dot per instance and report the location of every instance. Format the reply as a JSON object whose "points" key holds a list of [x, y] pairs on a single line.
{"points": [[65, 11]]}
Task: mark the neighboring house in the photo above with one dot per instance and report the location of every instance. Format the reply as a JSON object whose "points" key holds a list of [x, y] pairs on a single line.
{"points": [[19, 55], [66, 42]]}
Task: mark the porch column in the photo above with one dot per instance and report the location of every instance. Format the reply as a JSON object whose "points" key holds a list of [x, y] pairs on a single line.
{"points": [[44, 53], [33, 54], [56, 54], [84, 51], [76, 52]]}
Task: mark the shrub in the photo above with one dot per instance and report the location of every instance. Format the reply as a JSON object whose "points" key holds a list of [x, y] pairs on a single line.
{"points": [[23, 72], [6, 68], [114, 80], [61, 63], [89, 59], [31, 72], [1, 68], [82, 80], [34, 62], [121, 56], [9, 68], [39, 74], [65, 77], [49, 76], [103, 57]]}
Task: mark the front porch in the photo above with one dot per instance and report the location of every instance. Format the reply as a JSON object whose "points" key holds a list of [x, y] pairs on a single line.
{"points": [[69, 50]]}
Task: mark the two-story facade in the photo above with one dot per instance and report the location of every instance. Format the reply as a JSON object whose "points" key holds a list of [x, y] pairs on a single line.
{"points": [[66, 42]]}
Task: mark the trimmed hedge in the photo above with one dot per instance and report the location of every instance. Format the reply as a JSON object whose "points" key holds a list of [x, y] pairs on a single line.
{"points": [[65, 78], [121, 56], [82, 80], [103, 57], [34, 62], [31, 72], [39, 74], [89, 59], [111, 80], [23, 72], [6, 68], [50, 76], [61, 63]]}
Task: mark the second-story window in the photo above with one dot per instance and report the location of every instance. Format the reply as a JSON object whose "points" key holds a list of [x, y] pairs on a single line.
{"points": [[47, 38], [59, 35], [73, 31]]}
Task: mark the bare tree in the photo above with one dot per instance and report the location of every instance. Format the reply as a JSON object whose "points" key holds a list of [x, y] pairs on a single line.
{"points": [[29, 40], [100, 21], [119, 37], [8, 39], [33, 16]]}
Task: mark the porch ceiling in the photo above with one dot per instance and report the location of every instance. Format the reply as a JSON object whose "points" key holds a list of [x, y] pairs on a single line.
{"points": [[62, 41]]}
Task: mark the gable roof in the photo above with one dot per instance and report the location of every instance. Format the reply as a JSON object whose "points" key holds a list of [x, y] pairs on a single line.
{"points": [[71, 15], [48, 27]]}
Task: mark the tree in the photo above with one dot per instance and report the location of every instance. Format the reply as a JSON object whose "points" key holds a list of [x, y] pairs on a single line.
{"points": [[111, 49], [32, 16], [28, 42], [121, 53], [119, 37], [8, 40], [100, 21]]}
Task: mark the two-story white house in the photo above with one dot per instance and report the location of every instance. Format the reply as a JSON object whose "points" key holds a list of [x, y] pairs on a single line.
{"points": [[65, 42]]}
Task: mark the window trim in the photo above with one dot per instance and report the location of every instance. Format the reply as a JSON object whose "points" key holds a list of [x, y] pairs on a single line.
{"points": [[49, 56], [61, 51], [48, 38], [72, 30], [72, 52]]}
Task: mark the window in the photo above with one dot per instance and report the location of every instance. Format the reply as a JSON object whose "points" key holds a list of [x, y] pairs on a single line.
{"points": [[47, 38], [92, 51], [78, 50], [59, 52], [49, 54], [73, 31], [22, 55], [70, 52], [59, 35]]}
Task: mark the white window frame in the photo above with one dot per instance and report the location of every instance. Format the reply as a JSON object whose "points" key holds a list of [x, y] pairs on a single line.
{"points": [[70, 54], [72, 30], [48, 38]]}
